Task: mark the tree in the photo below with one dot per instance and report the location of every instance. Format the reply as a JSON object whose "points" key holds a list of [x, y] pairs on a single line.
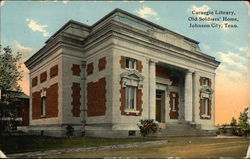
{"points": [[233, 125], [10, 74], [244, 122]]}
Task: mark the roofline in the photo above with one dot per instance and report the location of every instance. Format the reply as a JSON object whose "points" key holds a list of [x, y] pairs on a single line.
{"points": [[102, 19], [65, 25], [54, 35], [110, 14], [141, 19]]}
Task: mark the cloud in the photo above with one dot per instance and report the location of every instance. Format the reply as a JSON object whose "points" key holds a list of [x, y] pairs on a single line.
{"points": [[231, 94], [33, 25], [65, 1], [1, 3], [240, 63], [203, 8], [242, 48], [205, 47], [245, 49], [232, 87], [22, 48], [146, 12]]}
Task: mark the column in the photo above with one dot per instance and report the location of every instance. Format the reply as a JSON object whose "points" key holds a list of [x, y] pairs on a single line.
{"points": [[151, 89], [167, 106], [188, 97]]}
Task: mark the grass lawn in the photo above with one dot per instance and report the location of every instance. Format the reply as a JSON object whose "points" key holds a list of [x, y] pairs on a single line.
{"points": [[200, 147], [20, 142]]}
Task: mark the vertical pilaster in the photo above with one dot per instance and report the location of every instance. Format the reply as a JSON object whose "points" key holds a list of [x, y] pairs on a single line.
{"points": [[152, 89], [84, 87], [195, 96], [188, 97], [167, 104]]}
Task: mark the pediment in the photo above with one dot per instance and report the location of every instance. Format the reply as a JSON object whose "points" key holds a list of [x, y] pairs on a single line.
{"points": [[207, 90], [133, 75]]}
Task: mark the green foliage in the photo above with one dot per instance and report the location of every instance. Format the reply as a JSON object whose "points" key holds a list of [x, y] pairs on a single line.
{"points": [[69, 131], [233, 122], [10, 74], [224, 130], [147, 126], [244, 122], [233, 125]]}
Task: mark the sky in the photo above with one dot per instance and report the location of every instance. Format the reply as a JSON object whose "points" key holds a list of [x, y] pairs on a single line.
{"points": [[26, 25]]}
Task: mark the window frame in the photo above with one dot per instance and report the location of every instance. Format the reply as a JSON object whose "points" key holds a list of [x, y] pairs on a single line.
{"points": [[205, 81], [128, 91], [43, 105], [205, 106], [130, 63]]}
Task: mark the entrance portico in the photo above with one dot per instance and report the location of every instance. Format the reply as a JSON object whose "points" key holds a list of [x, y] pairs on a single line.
{"points": [[173, 89]]}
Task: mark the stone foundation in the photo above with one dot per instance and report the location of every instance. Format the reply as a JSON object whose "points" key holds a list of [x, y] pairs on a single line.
{"points": [[54, 130]]}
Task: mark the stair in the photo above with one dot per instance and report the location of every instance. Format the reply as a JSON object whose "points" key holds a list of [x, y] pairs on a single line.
{"points": [[182, 129]]}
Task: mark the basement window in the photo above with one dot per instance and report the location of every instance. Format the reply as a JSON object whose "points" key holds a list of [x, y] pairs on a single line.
{"points": [[131, 133]]}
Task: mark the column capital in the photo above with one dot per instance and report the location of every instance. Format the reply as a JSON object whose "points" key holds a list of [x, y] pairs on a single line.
{"points": [[190, 71], [152, 60], [83, 64]]}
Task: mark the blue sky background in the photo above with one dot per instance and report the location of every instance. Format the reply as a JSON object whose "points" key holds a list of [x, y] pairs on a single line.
{"points": [[26, 25], [173, 15]]}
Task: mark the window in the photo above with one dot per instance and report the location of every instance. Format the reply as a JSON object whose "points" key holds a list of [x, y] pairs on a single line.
{"points": [[130, 63], [205, 106], [205, 81], [131, 133], [130, 97], [43, 102]]}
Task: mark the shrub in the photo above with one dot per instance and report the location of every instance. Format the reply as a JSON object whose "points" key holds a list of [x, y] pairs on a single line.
{"points": [[223, 129], [244, 123], [69, 131], [147, 126], [233, 124]]}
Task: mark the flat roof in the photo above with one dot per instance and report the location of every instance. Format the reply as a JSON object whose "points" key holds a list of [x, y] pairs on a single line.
{"points": [[110, 14], [101, 20]]}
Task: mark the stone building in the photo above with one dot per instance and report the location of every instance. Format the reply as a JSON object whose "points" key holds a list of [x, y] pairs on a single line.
{"points": [[102, 79]]}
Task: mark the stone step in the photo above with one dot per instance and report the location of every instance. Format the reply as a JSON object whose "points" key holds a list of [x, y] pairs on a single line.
{"points": [[182, 130]]}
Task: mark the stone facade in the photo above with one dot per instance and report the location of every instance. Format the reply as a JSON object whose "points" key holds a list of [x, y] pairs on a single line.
{"points": [[102, 79]]}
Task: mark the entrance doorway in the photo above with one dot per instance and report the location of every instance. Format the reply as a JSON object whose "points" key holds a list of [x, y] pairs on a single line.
{"points": [[159, 114]]}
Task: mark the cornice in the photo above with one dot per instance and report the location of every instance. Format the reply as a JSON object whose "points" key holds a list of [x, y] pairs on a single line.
{"points": [[118, 29], [61, 40], [115, 31]]}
